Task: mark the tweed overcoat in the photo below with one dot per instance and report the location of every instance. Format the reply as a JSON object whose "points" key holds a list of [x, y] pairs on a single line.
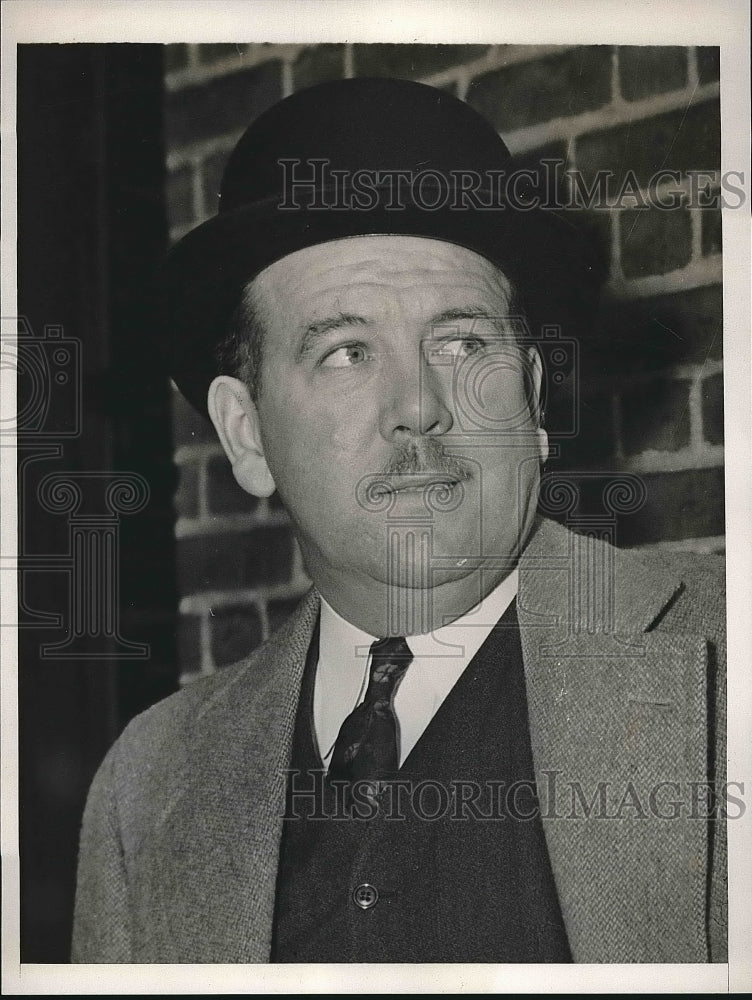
{"points": [[623, 655]]}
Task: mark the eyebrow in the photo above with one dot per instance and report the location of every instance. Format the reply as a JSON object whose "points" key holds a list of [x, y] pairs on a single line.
{"points": [[466, 312], [314, 332]]}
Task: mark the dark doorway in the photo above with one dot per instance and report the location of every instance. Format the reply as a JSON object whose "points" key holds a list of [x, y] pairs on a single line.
{"points": [[96, 551]]}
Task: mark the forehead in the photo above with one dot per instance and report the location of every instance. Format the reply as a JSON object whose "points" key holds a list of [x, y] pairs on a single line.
{"points": [[378, 270]]}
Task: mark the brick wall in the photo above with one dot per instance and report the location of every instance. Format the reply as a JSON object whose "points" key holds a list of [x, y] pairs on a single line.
{"points": [[651, 390]]}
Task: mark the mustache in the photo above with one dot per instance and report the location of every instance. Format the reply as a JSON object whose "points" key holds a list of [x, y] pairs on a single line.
{"points": [[426, 457]]}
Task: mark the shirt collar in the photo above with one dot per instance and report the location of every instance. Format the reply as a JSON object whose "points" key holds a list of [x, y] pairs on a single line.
{"points": [[439, 659], [469, 630]]}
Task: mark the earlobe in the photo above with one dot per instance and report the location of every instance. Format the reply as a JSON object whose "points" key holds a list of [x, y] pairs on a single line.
{"points": [[235, 419], [542, 445]]}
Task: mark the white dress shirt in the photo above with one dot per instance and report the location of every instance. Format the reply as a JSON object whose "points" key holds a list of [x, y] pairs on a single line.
{"points": [[439, 658]]}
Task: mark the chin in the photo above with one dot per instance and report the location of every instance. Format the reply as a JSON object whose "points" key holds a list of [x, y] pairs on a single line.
{"points": [[420, 557]]}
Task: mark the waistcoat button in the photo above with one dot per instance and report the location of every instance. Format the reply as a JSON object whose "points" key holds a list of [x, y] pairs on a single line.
{"points": [[365, 896]]}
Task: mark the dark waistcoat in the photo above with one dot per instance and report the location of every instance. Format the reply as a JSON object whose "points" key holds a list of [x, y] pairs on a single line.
{"points": [[453, 866]]}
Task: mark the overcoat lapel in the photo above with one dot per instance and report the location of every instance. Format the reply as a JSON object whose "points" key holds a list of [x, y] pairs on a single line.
{"points": [[218, 846], [618, 724]]}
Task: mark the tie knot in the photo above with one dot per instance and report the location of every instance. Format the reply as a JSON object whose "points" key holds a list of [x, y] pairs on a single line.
{"points": [[390, 658]]}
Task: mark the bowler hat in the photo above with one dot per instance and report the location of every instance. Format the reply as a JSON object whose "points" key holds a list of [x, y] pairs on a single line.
{"points": [[359, 157]]}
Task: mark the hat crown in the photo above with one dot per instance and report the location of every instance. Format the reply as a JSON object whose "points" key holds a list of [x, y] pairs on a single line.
{"points": [[378, 125], [375, 125]]}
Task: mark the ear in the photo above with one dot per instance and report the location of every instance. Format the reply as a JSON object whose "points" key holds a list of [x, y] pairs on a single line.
{"points": [[536, 371], [235, 418]]}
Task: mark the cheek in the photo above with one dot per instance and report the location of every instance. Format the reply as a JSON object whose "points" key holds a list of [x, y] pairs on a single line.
{"points": [[510, 480], [328, 411], [306, 442], [508, 398], [489, 395], [346, 437]]}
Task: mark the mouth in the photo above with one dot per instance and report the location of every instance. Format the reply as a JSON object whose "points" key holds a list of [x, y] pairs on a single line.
{"points": [[418, 483]]}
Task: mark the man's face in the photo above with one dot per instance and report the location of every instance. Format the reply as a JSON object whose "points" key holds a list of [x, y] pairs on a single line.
{"points": [[389, 366]]}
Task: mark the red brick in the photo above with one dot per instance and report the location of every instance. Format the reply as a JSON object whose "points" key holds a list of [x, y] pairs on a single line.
{"points": [[649, 335], [593, 444], [651, 69], [711, 231], [708, 63], [655, 241], [186, 497], [224, 104], [561, 85], [235, 632], [188, 425], [655, 415], [224, 494], [551, 151], [597, 225], [676, 141], [189, 644], [180, 197], [317, 64], [546, 177], [411, 60], [678, 505], [240, 559], [712, 409], [687, 504]]}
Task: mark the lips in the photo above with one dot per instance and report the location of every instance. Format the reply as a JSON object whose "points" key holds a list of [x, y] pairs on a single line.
{"points": [[417, 483]]}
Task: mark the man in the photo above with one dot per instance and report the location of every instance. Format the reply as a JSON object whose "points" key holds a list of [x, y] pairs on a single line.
{"points": [[481, 737]]}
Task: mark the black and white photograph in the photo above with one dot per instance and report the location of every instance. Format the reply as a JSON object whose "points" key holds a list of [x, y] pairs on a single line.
{"points": [[376, 493]]}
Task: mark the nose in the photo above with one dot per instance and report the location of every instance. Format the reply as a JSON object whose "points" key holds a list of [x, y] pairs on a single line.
{"points": [[414, 402]]}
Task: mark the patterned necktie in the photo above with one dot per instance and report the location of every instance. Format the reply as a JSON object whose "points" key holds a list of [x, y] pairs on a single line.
{"points": [[366, 747]]}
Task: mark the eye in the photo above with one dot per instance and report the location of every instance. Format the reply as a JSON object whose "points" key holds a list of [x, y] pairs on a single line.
{"points": [[457, 348], [346, 356]]}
